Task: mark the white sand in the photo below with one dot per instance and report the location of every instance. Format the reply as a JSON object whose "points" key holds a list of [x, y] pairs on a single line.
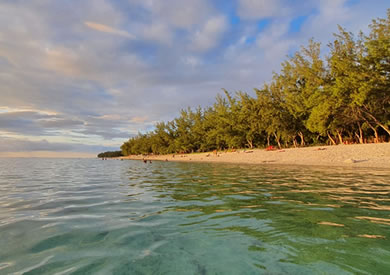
{"points": [[357, 155]]}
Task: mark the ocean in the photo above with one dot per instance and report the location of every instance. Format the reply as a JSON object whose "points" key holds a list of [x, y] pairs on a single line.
{"points": [[88, 216]]}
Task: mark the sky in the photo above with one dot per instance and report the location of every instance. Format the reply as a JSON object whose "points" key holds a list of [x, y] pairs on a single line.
{"points": [[78, 77]]}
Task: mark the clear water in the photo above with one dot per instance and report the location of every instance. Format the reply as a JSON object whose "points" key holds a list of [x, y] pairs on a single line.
{"points": [[127, 217]]}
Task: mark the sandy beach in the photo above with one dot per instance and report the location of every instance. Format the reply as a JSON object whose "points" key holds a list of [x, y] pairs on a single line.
{"points": [[356, 155]]}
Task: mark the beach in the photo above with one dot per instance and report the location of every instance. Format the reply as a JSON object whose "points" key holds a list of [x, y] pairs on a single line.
{"points": [[355, 155]]}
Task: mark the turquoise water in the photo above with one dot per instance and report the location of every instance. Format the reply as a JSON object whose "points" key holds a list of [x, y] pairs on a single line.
{"points": [[61, 216]]}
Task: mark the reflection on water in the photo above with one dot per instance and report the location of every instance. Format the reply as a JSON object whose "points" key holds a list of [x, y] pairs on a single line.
{"points": [[127, 217]]}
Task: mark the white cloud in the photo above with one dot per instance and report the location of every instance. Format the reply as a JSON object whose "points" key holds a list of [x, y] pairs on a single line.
{"points": [[159, 33], [274, 42], [330, 13], [108, 29], [10, 147], [4, 109], [177, 13], [210, 34], [139, 119], [258, 9], [275, 32], [192, 61], [63, 61]]}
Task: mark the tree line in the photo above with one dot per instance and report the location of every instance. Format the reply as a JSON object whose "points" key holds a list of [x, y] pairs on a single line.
{"points": [[341, 97], [110, 154]]}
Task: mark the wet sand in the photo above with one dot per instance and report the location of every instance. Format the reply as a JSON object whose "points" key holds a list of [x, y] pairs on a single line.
{"points": [[356, 155]]}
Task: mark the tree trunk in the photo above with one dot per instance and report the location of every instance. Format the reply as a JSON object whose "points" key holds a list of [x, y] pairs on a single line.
{"points": [[318, 138], [360, 136], [376, 135], [278, 140], [268, 140], [295, 142], [279, 145], [374, 129], [331, 139], [340, 137], [250, 143], [302, 138], [378, 122], [384, 128]]}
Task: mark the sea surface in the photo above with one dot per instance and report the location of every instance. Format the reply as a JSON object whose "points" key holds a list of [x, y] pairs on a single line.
{"points": [[88, 216]]}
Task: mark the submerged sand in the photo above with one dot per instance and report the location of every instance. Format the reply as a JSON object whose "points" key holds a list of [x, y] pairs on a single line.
{"points": [[356, 155]]}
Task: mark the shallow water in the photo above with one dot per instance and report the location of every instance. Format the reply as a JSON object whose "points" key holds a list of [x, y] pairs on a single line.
{"points": [[61, 216]]}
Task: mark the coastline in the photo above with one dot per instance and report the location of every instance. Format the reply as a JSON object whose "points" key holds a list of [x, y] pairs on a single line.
{"points": [[355, 155]]}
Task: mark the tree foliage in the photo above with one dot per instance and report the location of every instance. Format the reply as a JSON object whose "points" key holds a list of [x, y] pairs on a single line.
{"points": [[110, 154], [341, 97]]}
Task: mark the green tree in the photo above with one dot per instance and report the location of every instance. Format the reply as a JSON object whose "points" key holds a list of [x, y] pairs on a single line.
{"points": [[376, 101], [301, 81]]}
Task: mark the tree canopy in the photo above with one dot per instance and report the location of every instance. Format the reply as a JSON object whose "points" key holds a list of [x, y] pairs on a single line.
{"points": [[110, 154], [340, 97]]}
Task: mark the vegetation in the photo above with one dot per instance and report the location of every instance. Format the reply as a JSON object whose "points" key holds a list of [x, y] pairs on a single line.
{"points": [[343, 97], [110, 154]]}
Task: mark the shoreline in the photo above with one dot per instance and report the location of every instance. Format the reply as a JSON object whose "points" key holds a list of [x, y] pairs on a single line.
{"points": [[356, 155]]}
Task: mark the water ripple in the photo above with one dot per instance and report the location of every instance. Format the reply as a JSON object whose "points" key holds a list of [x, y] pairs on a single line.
{"points": [[121, 217]]}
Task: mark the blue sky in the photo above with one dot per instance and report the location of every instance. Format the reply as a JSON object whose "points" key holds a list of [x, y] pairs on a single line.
{"points": [[82, 76]]}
